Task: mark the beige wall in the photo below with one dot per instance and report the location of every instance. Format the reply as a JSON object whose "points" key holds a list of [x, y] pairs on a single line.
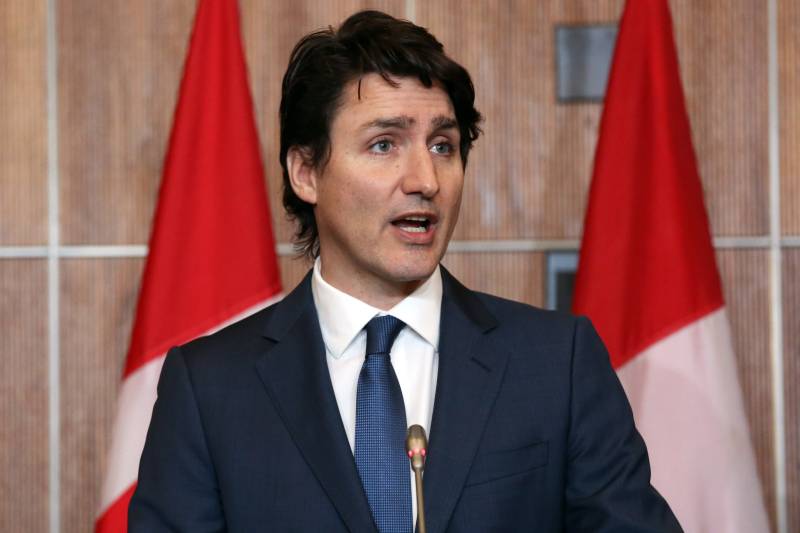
{"points": [[118, 68]]}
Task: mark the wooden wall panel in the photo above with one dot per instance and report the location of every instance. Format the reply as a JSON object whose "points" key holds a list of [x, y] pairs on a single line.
{"points": [[23, 388], [530, 173], [97, 305], [747, 299], [293, 269], [722, 48], [116, 115], [516, 276], [791, 362], [789, 87], [120, 64], [23, 123], [270, 31]]}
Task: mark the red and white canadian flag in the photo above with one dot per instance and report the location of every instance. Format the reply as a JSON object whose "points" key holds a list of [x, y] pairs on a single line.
{"points": [[212, 257], [647, 278]]}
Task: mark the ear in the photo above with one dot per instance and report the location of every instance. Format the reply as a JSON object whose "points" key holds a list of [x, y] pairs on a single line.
{"points": [[302, 174]]}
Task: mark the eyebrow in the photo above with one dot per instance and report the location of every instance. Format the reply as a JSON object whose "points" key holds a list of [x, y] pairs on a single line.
{"points": [[400, 122], [443, 122], [440, 122]]}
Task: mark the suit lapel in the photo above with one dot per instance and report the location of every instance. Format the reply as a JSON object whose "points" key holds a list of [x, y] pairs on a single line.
{"points": [[470, 373], [297, 379]]}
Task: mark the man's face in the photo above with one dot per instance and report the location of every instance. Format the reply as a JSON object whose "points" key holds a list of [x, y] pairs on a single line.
{"points": [[387, 200]]}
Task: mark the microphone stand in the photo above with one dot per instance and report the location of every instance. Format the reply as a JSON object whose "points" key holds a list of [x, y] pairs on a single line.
{"points": [[416, 444]]}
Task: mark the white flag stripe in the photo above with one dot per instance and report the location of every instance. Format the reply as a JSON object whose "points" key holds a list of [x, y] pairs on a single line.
{"points": [[134, 409], [688, 406]]}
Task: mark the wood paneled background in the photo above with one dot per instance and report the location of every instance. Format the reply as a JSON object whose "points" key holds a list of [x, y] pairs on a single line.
{"points": [[118, 68]]}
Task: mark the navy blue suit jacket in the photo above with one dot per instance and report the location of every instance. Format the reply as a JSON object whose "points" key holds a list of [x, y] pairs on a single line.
{"points": [[531, 430]]}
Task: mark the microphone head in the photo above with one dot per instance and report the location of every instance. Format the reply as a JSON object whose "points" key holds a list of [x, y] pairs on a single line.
{"points": [[416, 446]]}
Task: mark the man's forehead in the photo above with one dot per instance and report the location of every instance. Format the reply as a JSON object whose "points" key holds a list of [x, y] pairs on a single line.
{"points": [[374, 102]]}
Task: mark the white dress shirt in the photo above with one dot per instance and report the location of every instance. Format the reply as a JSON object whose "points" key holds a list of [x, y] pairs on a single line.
{"points": [[415, 352]]}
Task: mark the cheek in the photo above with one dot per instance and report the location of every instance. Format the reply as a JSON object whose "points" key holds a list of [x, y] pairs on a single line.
{"points": [[353, 205], [368, 192], [357, 202], [457, 205], [453, 191]]}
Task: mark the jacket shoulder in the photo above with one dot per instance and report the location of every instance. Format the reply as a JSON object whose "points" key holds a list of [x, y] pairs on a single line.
{"points": [[238, 342], [522, 319]]}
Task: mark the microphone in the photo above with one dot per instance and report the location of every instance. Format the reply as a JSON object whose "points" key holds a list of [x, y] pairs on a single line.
{"points": [[416, 447]]}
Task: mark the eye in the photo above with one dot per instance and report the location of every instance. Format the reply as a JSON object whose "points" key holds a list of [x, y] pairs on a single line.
{"points": [[383, 146], [442, 148]]}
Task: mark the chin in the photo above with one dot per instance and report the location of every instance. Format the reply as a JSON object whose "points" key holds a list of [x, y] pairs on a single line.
{"points": [[413, 270]]}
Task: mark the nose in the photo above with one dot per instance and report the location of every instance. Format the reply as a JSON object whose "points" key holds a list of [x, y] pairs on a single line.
{"points": [[420, 176]]}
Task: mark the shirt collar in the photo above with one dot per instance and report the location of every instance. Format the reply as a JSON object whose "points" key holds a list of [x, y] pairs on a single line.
{"points": [[342, 317]]}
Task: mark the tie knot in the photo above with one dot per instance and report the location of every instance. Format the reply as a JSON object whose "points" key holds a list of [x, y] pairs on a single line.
{"points": [[381, 333]]}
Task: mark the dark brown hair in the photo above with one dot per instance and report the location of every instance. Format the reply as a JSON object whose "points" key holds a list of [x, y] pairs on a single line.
{"points": [[325, 61]]}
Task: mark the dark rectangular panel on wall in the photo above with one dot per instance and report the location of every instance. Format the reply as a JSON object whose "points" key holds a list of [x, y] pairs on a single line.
{"points": [[791, 380], [583, 59], [120, 64], [23, 126], [270, 31], [97, 305], [789, 110], [514, 275], [747, 301], [529, 175], [24, 388]]}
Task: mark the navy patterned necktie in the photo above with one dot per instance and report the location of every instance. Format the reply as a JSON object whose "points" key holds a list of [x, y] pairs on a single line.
{"points": [[381, 430]]}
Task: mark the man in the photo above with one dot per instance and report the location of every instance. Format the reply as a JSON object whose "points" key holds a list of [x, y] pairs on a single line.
{"points": [[293, 419]]}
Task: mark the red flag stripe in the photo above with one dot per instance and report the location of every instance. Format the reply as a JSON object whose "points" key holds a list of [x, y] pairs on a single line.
{"points": [[115, 518], [212, 250], [212, 254], [647, 265]]}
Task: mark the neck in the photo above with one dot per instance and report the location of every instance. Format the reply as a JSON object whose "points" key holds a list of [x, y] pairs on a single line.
{"points": [[380, 294]]}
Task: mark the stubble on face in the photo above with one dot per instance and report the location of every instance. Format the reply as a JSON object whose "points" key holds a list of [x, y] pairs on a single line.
{"points": [[387, 199]]}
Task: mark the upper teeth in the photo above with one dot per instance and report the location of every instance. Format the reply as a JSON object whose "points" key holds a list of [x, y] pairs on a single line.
{"points": [[420, 228]]}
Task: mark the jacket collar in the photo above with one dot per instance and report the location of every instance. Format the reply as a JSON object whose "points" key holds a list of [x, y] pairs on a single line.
{"points": [[471, 368], [296, 377]]}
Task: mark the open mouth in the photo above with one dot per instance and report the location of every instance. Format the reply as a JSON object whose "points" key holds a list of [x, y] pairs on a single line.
{"points": [[414, 224]]}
